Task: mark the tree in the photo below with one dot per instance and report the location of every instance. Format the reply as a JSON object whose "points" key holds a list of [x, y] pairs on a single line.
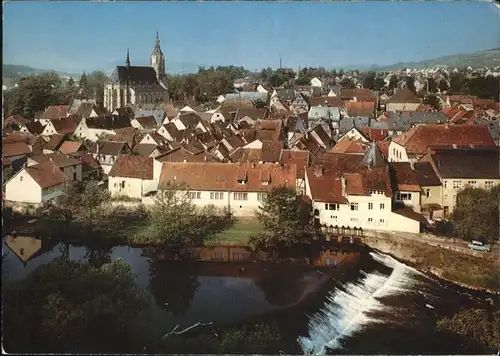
{"points": [[92, 213], [369, 81], [83, 85], [379, 83], [347, 83], [96, 83], [76, 306], [410, 84], [71, 83], [475, 216], [175, 222], [457, 83], [485, 87], [287, 219], [69, 203], [431, 85], [443, 85], [432, 100], [393, 82], [259, 104], [476, 325]]}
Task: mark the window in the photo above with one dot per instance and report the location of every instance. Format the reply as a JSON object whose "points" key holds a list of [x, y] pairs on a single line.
{"points": [[488, 184], [379, 192], [261, 196], [332, 207], [457, 184], [382, 221], [445, 184], [403, 196], [427, 193], [333, 217], [194, 195], [354, 220], [122, 184], [354, 206], [382, 206], [216, 195], [21, 178], [240, 196], [370, 206], [446, 197], [473, 183]]}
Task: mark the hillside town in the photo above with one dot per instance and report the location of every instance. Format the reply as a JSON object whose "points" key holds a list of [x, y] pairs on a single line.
{"points": [[367, 159]]}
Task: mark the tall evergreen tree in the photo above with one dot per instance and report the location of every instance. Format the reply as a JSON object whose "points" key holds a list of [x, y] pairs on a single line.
{"points": [[84, 91]]}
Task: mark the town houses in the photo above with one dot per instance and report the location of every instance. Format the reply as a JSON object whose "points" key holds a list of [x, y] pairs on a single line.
{"points": [[366, 159]]}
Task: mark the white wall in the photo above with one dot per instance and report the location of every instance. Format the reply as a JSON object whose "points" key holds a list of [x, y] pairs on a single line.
{"points": [[397, 153], [133, 187], [22, 188], [401, 106], [413, 203], [71, 170], [404, 224]]}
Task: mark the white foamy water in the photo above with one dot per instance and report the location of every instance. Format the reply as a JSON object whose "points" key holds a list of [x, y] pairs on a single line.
{"points": [[346, 311]]}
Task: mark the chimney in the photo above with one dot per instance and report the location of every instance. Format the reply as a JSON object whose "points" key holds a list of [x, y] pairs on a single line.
{"points": [[318, 171], [412, 165]]}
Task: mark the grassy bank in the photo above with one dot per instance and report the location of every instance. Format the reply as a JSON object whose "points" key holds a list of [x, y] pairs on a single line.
{"points": [[463, 269], [238, 233]]}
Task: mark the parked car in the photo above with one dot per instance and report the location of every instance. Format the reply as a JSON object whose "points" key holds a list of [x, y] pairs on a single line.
{"points": [[479, 246]]}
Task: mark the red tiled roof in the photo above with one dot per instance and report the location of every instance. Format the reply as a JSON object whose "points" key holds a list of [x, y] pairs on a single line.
{"points": [[271, 151], [331, 101], [15, 149], [360, 108], [58, 159], [70, 147], [405, 177], [418, 138], [325, 188], [47, 174], [374, 134], [299, 158], [404, 95], [224, 176], [349, 146], [383, 146], [55, 112], [362, 182], [132, 167]]}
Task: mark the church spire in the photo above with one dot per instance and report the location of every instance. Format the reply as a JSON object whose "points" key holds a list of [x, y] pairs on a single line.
{"points": [[127, 61], [157, 48]]}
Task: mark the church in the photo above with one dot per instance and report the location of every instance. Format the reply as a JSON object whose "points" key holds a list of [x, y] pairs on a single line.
{"points": [[134, 85]]}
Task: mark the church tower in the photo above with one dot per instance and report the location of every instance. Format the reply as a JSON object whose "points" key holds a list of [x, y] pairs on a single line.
{"points": [[158, 60]]}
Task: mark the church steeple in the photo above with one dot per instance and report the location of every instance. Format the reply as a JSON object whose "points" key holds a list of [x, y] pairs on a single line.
{"points": [[127, 61], [157, 59]]}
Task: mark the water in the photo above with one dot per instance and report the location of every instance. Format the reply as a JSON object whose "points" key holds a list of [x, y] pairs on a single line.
{"points": [[379, 306], [386, 312]]}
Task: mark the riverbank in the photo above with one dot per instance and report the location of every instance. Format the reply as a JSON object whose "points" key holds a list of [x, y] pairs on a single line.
{"points": [[466, 271]]}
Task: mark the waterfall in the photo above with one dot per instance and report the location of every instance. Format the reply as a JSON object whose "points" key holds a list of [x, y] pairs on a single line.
{"points": [[347, 311]]}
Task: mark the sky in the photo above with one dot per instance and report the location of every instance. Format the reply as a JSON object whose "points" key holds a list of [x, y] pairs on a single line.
{"points": [[76, 36]]}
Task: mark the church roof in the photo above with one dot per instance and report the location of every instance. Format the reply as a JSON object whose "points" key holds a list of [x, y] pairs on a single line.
{"points": [[134, 75]]}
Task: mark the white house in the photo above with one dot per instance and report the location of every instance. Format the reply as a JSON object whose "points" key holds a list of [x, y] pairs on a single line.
{"points": [[315, 82], [91, 130], [360, 200], [132, 176], [72, 168], [237, 187], [36, 184], [144, 123], [107, 153]]}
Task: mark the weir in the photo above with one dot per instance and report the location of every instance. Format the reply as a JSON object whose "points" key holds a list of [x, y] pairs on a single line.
{"points": [[347, 311]]}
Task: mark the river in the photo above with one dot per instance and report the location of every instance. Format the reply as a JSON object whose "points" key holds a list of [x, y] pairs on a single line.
{"points": [[376, 306]]}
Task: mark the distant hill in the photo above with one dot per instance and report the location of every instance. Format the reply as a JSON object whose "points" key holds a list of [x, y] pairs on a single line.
{"points": [[11, 73], [488, 58]]}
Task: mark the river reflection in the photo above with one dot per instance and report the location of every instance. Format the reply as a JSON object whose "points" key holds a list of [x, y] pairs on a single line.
{"points": [[184, 292]]}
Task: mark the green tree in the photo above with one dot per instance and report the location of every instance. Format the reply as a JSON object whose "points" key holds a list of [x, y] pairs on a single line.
{"points": [[369, 80], [432, 85], [393, 82], [485, 87], [68, 204], [347, 83], [433, 101], [259, 104], [71, 83], [379, 83], [175, 222], [96, 83], [457, 83], [410, 84], [476, 325], [443, 86], [92, 212], [475, 215], [72, 306], [287, 220], [83, 85]]}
